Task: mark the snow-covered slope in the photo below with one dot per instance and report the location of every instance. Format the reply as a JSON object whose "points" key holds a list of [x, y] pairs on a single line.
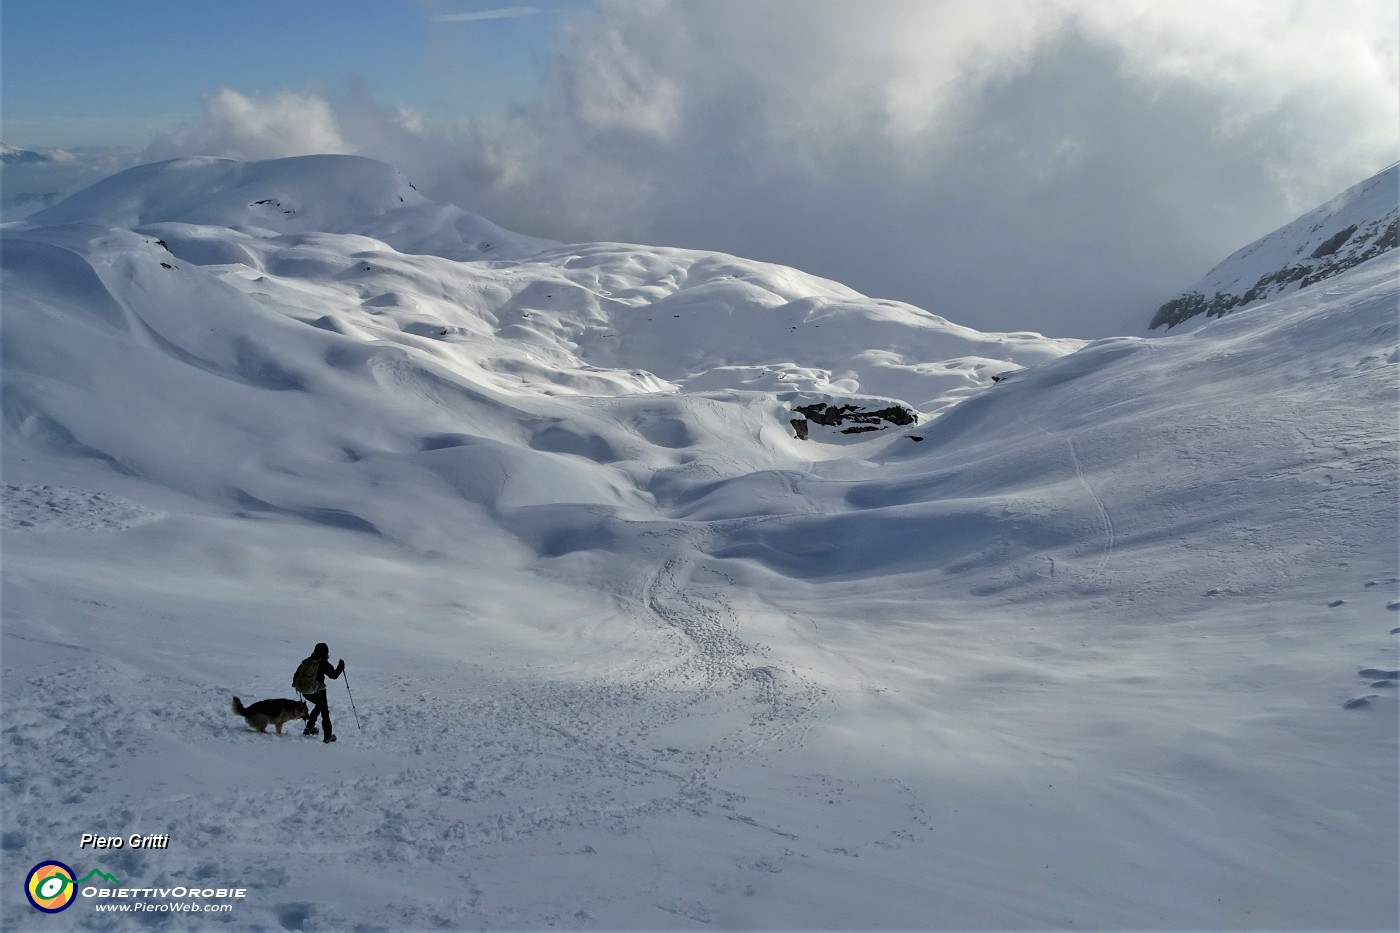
{"points": [[1357, 225], [1106, 643]]}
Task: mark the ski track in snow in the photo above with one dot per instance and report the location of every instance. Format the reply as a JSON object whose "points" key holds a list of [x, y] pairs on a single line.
{"points": [[1109, 534], [1098, 501], [716, 663]]}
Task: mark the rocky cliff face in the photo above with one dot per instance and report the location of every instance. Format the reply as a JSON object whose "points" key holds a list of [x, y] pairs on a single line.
{"points": [[1357, 225]]}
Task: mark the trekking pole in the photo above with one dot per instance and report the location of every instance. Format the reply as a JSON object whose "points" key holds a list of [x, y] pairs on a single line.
{"points": [[352, 701]]}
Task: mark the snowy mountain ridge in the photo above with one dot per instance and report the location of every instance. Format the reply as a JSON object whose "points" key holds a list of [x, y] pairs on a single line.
{"points": [[570, 317], [12, 155], [1103, 643], [1357, 225], [322, 194]]}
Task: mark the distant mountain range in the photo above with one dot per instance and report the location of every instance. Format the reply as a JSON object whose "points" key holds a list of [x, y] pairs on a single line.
{"points": [[34, 179], [1357, 225], [11, 155]]}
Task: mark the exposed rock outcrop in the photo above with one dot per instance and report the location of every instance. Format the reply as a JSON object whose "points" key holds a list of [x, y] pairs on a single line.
{"points": [[851, 419], [1357, 225]]}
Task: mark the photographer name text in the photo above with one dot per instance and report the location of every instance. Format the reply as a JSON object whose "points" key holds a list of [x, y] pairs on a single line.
{"points": [[134, 841]]}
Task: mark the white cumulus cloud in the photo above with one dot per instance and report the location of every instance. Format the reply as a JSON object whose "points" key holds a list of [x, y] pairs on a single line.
{"points": [[1058, 165], [240, 126]]}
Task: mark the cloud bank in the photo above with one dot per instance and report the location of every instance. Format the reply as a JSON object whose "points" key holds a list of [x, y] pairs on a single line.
{"points": [[1015, 164]]}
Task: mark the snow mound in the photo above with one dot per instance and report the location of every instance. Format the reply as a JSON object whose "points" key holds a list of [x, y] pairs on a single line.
{"points": [[1359, 224]]}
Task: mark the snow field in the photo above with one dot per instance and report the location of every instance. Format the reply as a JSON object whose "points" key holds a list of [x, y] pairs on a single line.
{"points": [[626, 654]]}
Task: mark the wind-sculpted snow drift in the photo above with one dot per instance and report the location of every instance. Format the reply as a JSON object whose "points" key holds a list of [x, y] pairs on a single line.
{"points": [[1071, 648]]}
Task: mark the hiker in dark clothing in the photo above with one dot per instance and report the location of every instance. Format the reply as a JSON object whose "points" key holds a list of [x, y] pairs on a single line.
{"points": [[324, 669]]}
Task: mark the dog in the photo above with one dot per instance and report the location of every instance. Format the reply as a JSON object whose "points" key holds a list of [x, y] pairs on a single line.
{"points": [[266, 713]]}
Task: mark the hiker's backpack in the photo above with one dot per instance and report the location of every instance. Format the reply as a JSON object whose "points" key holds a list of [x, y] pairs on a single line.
{"points": [[304, 680]]}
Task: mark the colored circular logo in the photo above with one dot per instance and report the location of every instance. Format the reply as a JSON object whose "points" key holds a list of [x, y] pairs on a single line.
{"points": [[50, 886]]}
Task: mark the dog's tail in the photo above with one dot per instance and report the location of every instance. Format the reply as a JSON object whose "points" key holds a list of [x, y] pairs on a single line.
{"points": [[238, 709]]}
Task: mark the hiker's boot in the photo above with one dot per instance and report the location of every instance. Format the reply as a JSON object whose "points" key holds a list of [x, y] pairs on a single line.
{"points": [[329, 738], [311, 730]]}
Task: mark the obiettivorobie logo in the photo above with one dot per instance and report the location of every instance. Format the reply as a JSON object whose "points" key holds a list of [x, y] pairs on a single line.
{"points": [[51, 886]]}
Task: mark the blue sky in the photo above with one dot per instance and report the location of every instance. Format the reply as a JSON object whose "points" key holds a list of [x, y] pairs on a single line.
{"points": [[105, 72]]}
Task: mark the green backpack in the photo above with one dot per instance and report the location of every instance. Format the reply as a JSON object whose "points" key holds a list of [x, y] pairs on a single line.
{"points": [[304, 680]]}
